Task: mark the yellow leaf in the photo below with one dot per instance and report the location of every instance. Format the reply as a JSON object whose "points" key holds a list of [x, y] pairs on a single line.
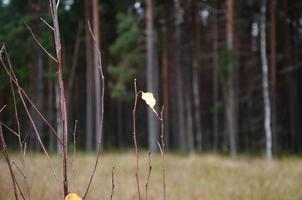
{"points": [[149, 99], [72, 196]]}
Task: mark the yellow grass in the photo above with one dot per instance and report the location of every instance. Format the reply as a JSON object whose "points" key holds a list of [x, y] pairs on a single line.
{"points": [[206, 177]]}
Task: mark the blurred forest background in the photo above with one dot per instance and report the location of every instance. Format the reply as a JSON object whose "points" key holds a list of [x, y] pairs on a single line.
{"points": [[228, 72]]}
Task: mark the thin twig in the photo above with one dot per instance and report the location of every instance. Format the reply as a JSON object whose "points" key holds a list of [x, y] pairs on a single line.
{"points": [[38, 137], [63, 109], [18, 168], [20, 139], [15, 81], [2, 108], [135, 141], [112, 183], [12, 131], [7, 159], [47, 24], [162, 150], [20, 191], [102, 115], [16, 116], [149, 174], [12, 77], [74, 147], [40, 45]]}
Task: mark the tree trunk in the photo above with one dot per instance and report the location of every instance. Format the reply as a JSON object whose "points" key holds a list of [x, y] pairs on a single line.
{"points": [[179, 79], [273, 73], [89, 81], [152, 77], [231, 114], [215, 80], [196, 66], [265, 86], [96, 28], [165, 81]]}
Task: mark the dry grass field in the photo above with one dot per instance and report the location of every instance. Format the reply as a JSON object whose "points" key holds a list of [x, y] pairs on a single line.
{"points": [[206, 177]]}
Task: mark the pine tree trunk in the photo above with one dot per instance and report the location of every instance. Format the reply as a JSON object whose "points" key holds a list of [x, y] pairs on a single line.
{"points": [[195, 75], [215, 80], [231, 114], [165, 81], [273, 73], [152, 78], [179, 79], [89, 81], [265, 85]]}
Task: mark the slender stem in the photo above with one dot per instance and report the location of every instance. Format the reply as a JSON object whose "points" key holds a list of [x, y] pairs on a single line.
{"points": [[13, 78], [74, 147], [7, 159], [63, 110], [112, 183], [162, 149], [149, 174], [135, 141], [102, 114]]}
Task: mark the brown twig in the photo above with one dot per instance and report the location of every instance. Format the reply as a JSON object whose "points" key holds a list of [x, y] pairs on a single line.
{"points": [[6, 157], [135, 141], [2, 108], [162, 149], [47, 24], [74, 146], [149, 174], [11, 130], [112, 183], [38, 137], [20, 191], [20, 139], [63, 110], [102, 114], [40, 45], [14, 79], [16, 116]]}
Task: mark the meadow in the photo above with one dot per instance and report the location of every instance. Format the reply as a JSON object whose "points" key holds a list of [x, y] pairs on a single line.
{"points": [[194, 177]]}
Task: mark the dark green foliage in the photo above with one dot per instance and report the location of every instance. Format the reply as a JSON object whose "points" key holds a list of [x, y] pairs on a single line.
{"points": [[226, 59], [127, 56]]}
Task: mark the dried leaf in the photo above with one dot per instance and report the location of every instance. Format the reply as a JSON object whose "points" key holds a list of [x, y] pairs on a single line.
{"points": [[72, 196], [148, 97]]}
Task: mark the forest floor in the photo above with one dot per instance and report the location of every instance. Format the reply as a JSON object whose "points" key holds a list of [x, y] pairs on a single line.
{"points": [[205, 177]]}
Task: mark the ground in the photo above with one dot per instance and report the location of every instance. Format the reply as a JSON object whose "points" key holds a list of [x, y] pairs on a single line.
{"points": [[195, 177]]}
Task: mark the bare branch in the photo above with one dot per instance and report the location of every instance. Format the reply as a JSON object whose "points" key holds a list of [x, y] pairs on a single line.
{"points": [[7, 159], [112, 183], [40, 45], [63, 108], [58, 3], [13, 78], [12, 131], [149, 174], [102, 115], [18, 168], [74, 146], [134, 139], [2, 108], [162, 150], [39, 138], [47, 24]]}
